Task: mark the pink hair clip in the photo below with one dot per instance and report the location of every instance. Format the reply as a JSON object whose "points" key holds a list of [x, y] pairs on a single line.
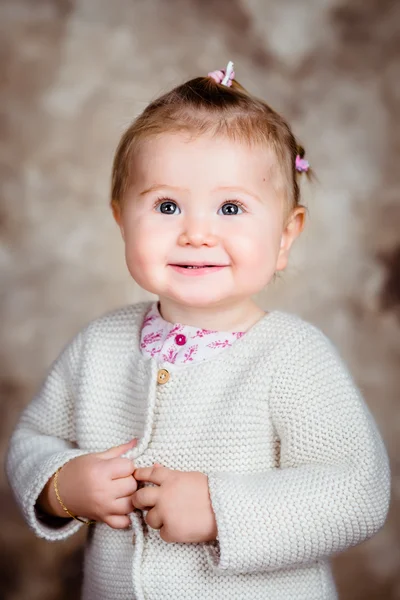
{"points": [[224, 77], [302, 165]]}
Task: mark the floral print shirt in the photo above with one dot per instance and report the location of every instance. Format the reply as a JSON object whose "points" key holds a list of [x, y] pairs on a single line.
{"points": [[181, 344]]}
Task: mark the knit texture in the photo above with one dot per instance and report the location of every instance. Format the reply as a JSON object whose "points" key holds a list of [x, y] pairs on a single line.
{"points": [[297, 469]]}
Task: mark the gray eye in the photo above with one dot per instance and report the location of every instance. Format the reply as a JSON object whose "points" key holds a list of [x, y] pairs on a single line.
{"points": [[168, 208], [230, 208]]}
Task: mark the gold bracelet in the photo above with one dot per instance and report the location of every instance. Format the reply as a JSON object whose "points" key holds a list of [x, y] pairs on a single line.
{"points": [[55, 482]]}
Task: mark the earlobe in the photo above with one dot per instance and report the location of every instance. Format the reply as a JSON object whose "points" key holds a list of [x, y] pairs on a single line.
{"points": [[116, 209], [292, 230]]}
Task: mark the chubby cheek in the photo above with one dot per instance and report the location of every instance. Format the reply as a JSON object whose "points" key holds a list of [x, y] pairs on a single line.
{"points": [[255, 259], [258, 249], [145, 253]]}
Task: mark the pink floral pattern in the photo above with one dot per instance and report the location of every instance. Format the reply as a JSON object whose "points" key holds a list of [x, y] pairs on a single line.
{"points": [[190, 354], [170, 355], [151, 338], [239, 334], [155, 351], [200, 333], [158, 340], [174, 331], [149, 319], [219, 344]]}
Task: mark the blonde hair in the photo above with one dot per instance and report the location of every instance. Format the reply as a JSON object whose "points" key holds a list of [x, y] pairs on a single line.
{"points": [[202, 106]]}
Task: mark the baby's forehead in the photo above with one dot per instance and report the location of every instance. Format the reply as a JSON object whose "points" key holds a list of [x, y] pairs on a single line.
{"points": [[187, 159], [202, 150]]}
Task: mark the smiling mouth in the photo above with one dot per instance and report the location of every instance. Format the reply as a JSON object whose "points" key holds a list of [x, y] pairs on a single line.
{"points": [[197, 266], [182, 266]]}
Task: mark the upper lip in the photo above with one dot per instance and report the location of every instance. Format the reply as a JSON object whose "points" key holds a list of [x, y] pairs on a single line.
{"points": [[195, 263]]}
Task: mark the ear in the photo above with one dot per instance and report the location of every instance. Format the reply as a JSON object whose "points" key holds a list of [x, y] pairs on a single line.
{"points": [[292, 230], [117, 213]]}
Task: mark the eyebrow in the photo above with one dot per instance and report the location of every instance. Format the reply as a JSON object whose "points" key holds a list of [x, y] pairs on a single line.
{"points": [[226, 188], [233, 188], [157, 186]]}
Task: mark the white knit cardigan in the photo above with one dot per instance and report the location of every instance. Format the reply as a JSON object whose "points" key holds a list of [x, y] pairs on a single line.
{"points": [[297, 469]]}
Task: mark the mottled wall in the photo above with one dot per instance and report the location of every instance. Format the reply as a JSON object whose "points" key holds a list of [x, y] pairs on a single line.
{"points": [[73, 74]]}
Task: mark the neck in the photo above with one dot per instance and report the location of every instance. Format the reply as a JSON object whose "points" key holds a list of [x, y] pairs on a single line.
{"points": [[239, 316]]}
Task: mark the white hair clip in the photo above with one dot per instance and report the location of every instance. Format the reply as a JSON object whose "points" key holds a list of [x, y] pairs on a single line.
{"points": [[224, 77]]}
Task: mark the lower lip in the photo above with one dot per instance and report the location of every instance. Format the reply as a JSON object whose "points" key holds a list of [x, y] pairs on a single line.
{"points": [[197, 272]]}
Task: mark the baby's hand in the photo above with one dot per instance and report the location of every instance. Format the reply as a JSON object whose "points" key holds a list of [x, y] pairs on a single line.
{"points": [[97, 486], [179, 505]]}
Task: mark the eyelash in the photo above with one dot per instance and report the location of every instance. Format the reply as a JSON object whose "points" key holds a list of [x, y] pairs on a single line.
{"points": [[159, 201], [237, 203]]}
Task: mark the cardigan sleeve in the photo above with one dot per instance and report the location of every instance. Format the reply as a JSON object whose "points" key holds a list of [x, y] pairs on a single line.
{"points": [[43, 441], [333, 485]]}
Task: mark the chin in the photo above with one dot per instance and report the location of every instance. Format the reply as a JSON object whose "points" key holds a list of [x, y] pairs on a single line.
{"points": [[196, 300]]}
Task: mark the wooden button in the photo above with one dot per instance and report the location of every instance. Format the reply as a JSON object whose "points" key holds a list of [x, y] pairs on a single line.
{"points": [[163, 376]]}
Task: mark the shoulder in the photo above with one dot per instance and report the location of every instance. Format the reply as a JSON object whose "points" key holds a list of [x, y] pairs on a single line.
{"points": [[113, 332], [294, 329], [122, 321], [293, 336], [306, 352]]}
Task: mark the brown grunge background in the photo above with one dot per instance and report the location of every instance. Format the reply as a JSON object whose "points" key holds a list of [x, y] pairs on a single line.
{"points": [[73, 74]]}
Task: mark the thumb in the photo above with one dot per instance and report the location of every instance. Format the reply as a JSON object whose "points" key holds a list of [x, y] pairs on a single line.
{"points": [[118, 450]]}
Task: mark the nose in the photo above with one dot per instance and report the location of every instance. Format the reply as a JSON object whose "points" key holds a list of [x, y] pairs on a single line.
{"points": [[197, 232]]}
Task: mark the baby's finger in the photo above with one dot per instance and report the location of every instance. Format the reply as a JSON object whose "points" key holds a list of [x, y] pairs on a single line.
{"points": [[154, 474], [145, 497], [153, 519], [120, 467], [118, 450], [125, 486], [118, 521], [122, 506]]}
